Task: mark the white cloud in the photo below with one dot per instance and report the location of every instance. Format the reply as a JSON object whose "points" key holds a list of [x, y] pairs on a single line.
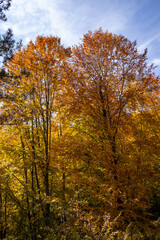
{"points": [[156, 61], [147, 43], [69, 19]]}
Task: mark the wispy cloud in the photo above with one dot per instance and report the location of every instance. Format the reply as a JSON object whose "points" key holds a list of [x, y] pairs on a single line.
{"points": [[26, 18], [68, 19], [156, 61], [147, 43]]}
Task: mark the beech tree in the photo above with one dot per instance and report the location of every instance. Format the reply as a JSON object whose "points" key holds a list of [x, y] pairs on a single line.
{"points": [[31, 101], [111, 84], [80, 145]]}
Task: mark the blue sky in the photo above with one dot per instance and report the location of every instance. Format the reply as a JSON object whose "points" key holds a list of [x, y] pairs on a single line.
{"points": [[69, 19]]}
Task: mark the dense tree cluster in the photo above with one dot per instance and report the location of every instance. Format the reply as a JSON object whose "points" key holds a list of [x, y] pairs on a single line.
{"points": [[79, 141]]}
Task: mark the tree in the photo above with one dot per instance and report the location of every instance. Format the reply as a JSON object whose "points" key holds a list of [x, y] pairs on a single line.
{"points": [[6, 51], [32, 100], [4, 5], [6, 40], [80, 143], [111, 82]]}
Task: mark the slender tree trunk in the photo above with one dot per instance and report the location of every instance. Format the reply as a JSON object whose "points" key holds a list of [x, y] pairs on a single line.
{"points": [[47, 121], [1, 218], [5, 215], [26, 180]]}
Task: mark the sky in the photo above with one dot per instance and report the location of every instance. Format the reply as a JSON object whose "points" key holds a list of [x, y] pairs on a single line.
{"points": [[70, 19]]}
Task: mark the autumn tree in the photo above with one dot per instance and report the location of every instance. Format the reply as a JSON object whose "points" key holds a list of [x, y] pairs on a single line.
{"points": [[36, 79], [110, 84], [6, 51], [80, 144]]}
